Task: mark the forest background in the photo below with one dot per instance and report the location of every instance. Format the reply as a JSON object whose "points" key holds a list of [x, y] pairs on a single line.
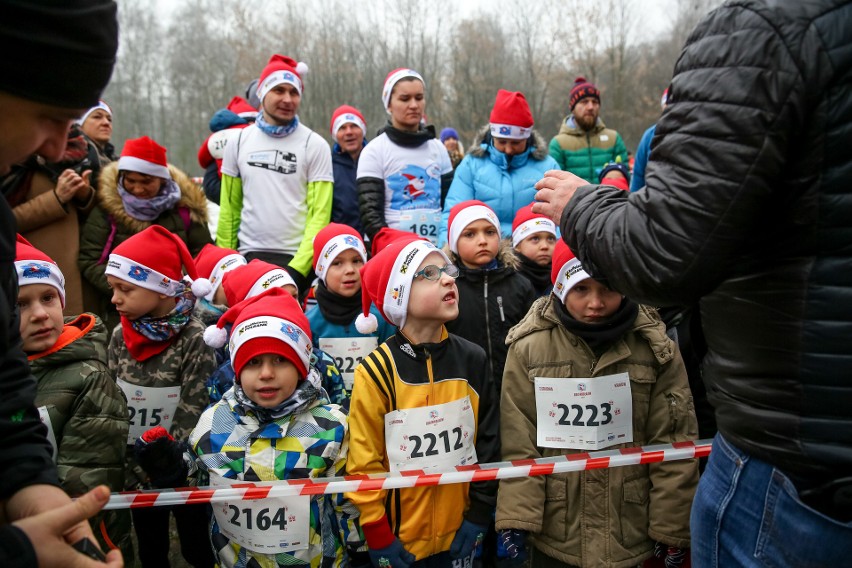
{"points": [[180, 62]]}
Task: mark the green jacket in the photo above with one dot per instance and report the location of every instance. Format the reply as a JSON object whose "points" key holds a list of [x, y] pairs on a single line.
{"points": [[585, 153]]}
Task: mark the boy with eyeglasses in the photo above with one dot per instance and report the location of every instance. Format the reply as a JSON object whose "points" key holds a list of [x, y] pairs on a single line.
{"points": [[423, 400]]}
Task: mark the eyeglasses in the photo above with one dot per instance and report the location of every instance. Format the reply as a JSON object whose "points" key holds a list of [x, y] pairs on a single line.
{"points": [[432, 272]]}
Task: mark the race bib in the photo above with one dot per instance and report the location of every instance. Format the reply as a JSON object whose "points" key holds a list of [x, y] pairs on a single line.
{"points": [[347, 353], [149, 407], [267, 526], [421, 222], [51, 436], [587, 414], [431, 437]]}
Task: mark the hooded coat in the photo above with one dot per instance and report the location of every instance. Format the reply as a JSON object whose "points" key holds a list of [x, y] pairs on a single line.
{"points": [[584, 153]]}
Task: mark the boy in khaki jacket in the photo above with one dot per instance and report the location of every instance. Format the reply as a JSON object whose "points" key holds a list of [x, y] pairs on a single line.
{"points": [[589, 369]]}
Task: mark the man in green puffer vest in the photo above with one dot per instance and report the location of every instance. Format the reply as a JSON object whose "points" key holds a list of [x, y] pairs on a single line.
{"points": [[584, 143]]}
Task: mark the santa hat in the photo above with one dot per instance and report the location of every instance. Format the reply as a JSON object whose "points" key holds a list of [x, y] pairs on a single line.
{"points": [[100, 106], [386, 236], [344, 115], [155, 260], [581, 90], [252, 279], [333, 240], [567, 271], [395, 77], [280, 69], [35, 267], [213, 262], [272, 322], [463, 214], [387, 278], [242, 108], [527, 223], [144, 156], [511, 117]]}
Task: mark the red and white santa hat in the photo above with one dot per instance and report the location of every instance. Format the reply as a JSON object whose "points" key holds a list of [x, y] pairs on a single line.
{"points": [[144, 156], [279, 70], [35, 267], [527, 223], [253, 279], [242, 108], [213, 262], [100, 106], [155, 259], [511, 117], [387, 278], [567, 271], [346, 114], [333, 240], [395, 77], [463, 214], [272, 322]]}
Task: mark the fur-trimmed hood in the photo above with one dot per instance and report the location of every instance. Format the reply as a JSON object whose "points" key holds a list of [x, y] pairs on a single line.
{"points": [[539, 150], [505, 255], [191, 197]]}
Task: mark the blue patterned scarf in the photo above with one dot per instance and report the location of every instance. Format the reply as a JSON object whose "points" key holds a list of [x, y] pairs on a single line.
{"points": [[149, 209], [276, 131], [167, 327], [302, 398]]}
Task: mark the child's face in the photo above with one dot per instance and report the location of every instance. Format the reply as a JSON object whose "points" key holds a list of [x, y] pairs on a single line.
{"points": [[41, 316], [538, 247], [478, 243], [433, 300], [589, 301], [269, 379], [343, 275], [133, 301]]}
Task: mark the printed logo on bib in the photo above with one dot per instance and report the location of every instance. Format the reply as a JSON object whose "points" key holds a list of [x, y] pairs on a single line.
{"points": [[414, 187], [348, 353], [148, 407], [587, 414]]}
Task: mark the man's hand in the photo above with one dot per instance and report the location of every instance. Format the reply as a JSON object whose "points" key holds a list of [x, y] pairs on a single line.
{"points": [[70, 185], [555, 190], [36, 499], [53, 531]]}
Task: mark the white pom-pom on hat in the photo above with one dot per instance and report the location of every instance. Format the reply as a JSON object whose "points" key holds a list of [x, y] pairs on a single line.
{"points": [[215, 336], [302, 68], [201, 287], [366, 324]]}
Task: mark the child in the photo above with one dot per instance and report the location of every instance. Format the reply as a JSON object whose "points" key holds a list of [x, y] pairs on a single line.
{"points": [[492, 295], [615, 174], [276, 423], [533, 238], [160, 361], [590, 339], [339, 254], [81, 406], [419, 372], [254, 278]]}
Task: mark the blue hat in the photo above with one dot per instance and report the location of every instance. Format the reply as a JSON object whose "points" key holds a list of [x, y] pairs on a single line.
{"points": [[449, 133]]}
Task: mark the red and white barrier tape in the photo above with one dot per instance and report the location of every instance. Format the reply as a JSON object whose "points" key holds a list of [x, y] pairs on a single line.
{"points": [[244, 491]]}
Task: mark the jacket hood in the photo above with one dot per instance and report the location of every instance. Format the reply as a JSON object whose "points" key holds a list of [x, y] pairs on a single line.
{"points": [[84, 338], [538, 149], [224, 118], [570, 127], [505, 256], [191, 197]]}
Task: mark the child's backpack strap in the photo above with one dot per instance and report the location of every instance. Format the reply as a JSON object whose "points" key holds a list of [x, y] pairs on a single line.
{"points": [[110, 238]]}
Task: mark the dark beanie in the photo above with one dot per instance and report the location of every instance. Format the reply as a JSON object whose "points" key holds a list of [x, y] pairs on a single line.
{"points": [[581, 90], [57, 52]]}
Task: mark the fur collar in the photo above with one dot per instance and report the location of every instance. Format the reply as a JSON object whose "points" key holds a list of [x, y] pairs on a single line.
{"points": [[505, 255], [540, 150]]}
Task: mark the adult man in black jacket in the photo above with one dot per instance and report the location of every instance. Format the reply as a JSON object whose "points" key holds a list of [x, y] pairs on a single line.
{"points": [[748, 206]]}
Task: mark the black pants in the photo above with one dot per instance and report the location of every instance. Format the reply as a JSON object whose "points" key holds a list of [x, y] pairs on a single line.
{"points": [[152, 532]]}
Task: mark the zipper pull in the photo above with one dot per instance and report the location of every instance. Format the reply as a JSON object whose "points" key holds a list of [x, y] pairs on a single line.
{"points": [[500, 305]]}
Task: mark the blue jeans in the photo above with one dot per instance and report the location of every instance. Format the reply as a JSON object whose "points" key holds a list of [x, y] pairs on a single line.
{"points": [[748, 513]]}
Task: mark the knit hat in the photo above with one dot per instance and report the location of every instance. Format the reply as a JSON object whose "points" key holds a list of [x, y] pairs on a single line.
{"points": [[511, 117], [253, 279], [395, 77], [448, 133], [213, 262], [57, 53], [581, 90], [333, 240], [527, 223], [155, 259], [387, 278], [280, 69], [567, 271], [35, 267], [100, 106], [272, 322], [463, 214], [619, 182], [386, 236], [144, 156], [242, 108], [346, 114]]}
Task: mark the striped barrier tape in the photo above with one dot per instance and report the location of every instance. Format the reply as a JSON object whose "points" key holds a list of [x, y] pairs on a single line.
{"points": [[243, 491]]}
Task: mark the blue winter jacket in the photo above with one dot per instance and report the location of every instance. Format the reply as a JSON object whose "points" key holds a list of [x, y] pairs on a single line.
{"points": [[486, 174], [321, 327], [637, 176]]}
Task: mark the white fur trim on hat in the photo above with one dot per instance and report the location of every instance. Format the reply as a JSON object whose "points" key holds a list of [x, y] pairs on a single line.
{"points": [[227, 264], [396, 78], [214, 336], [334, 247], [140, 275], [281, 77], [200, 287], [510, 131], [398, 291], [531, 227], [131, 164], [366, 324], [275, 328], [277, 278], [347, 118], [570, 275], [41, 272], [100, 106], [467, 216]]}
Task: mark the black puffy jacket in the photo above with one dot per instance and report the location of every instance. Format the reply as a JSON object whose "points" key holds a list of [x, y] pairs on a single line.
{"points": [[748, 206]]}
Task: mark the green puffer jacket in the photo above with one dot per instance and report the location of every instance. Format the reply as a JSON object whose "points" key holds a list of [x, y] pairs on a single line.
{"points": [[601, 517], [87, 416], [585, 153]]}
